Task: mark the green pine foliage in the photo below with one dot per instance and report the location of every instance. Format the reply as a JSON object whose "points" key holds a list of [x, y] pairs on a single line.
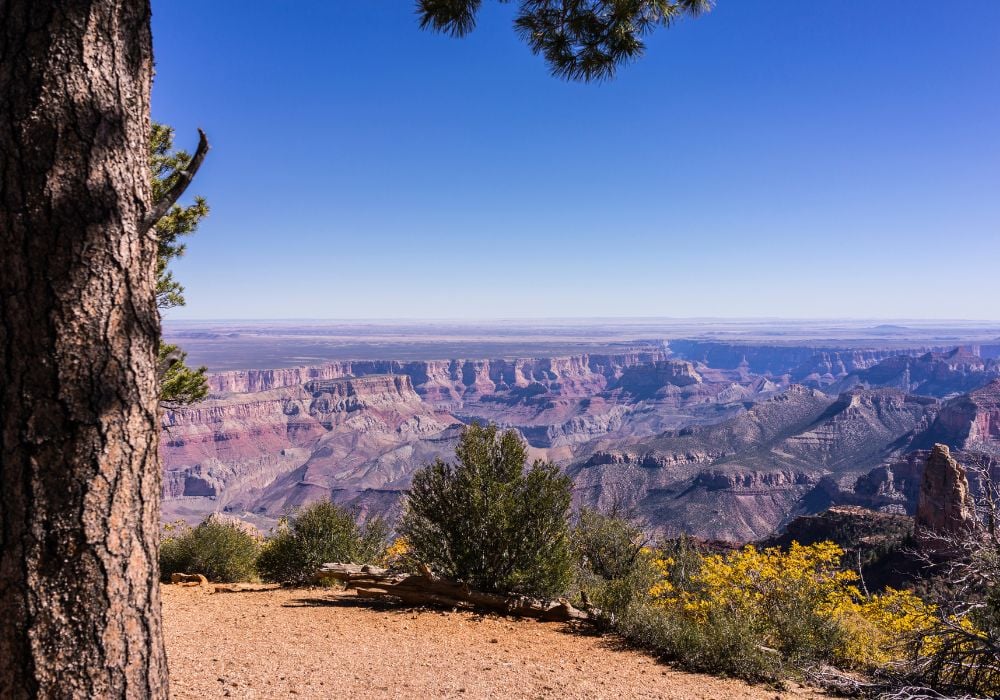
{"points": [[165, 163], [320, 533], [490, 522], [179, 383], [579, 39]]}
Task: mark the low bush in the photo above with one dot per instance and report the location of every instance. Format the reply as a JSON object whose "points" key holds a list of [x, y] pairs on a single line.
{"points": [[397, 556], [320, 533], [722, 643], [221, 551], [763, 614]]}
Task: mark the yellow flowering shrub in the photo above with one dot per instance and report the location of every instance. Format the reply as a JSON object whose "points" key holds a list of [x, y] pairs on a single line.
{"points": [[799, 603], [876, 628], [396, 553], [663, 589]]}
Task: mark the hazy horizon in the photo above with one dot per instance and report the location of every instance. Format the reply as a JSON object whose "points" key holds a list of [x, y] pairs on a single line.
{"points": [[258, 344], [479, 319]]}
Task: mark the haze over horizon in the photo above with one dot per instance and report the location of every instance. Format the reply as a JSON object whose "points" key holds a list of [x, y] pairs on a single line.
{"points": [[581, 318], [826, 164]]}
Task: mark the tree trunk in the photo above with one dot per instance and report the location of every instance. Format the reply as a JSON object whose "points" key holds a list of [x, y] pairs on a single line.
{"points": [[79, 472]]}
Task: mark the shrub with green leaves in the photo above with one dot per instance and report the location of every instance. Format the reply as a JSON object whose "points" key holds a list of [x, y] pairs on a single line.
{"points": [[221, 551], [726, 643], [320, 533], [489, 521], [615, 568]]}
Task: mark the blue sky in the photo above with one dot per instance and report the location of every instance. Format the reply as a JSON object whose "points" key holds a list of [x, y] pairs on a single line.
{"points": [[772, 158]]}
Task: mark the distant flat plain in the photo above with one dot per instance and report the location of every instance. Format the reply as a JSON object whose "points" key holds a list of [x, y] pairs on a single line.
{"points": [[248, 344]]}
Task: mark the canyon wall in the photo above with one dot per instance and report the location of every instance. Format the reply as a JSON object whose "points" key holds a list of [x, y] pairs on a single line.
{"points": [[443, 380], [226, 453], [724, 452], [743, 478], [804, 364]]}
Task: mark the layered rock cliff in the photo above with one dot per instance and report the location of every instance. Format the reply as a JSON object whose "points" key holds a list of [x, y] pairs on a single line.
{"points": [[647, 380], [967, 426], [892, 487], [721, 452], [804, 364], [267, 440], [224, 453], [969, 420], [940, 374], [450, 380], [741, 479]]}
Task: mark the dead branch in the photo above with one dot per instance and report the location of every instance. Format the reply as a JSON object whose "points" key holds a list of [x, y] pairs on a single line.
{"points": [[184, 178], [427, 588]]}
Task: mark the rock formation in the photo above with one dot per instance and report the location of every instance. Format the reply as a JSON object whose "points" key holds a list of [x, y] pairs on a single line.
{"points": [[449, 380], [851, 527], [645, 381], [945, 505], [969, 425], [230, 452], [893, 487]]}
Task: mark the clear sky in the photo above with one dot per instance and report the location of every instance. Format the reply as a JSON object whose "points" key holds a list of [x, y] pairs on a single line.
{"points": [[773, 158]]}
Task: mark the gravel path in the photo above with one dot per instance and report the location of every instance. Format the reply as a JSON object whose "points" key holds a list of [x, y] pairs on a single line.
{"points": [[313, 643]]}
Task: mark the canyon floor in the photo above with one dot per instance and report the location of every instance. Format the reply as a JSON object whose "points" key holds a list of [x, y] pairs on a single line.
{"points": [[318, 643]]}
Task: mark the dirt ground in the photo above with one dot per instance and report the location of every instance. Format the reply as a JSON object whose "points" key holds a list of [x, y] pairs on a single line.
{"points": [[314, 643]]}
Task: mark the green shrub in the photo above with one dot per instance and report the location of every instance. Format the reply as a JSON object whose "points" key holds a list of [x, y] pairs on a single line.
{"points": [[221, 551], [320, 533], [614, 567], [608, 545], [488, 521], [725, 643]]}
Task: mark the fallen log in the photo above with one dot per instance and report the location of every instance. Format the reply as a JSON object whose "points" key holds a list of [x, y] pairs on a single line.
{"points": [[427, 588]]}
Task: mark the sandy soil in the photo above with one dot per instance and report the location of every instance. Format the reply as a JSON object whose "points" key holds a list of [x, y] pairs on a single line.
{"points": [[319, 644]]}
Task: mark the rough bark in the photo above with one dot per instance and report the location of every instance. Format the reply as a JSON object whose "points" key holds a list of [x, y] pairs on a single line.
{"points": [[427, 588], [79, 473]]}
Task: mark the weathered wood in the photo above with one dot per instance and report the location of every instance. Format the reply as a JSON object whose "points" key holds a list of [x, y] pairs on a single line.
{"points": [[427, 588]]}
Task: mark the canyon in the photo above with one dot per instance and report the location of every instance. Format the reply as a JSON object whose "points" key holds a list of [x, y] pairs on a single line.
{"points": [[726, 441]]}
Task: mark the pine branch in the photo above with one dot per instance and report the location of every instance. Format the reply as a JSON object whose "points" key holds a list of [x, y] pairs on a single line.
{"points": [[184, 178]]}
